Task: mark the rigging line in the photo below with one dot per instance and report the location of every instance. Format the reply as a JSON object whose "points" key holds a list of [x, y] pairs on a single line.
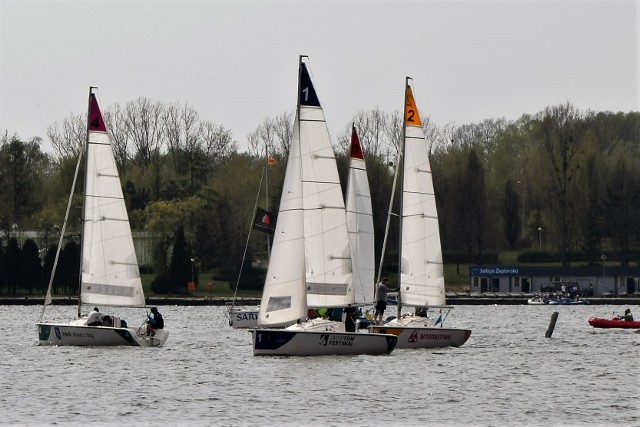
{"points": [[244, 254], [47, 299]]}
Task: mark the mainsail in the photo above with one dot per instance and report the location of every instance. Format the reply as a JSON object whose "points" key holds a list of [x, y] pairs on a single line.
{"points": [[110, 274], [360, 224], [422, 274], [310, 264]]}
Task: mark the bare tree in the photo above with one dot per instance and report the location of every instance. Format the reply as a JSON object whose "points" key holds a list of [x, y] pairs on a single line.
{"points": [[69, 138], [148, 138], [272, 136], [217, 142], [116, 122]]}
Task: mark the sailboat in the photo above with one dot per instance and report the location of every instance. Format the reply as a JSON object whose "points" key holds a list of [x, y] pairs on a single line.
{"points": [[311, 256], [109, 269], [421, 277], [243, 317]]}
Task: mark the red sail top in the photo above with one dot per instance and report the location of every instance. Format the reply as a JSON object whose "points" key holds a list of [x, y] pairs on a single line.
{"points": [[96, 123], [356, 150]]}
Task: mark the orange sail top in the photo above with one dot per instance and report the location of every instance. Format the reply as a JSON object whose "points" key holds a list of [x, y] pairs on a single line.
{"points": [[411, 115]]}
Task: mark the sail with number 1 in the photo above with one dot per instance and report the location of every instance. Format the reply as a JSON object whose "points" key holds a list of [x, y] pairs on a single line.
{"points": [[311, 257]]}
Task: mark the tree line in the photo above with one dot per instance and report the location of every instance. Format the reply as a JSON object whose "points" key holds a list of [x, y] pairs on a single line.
{"points": [[562, 183]]}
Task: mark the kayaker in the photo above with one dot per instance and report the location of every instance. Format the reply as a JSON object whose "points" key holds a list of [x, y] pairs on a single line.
{"points": [[627, 317]]}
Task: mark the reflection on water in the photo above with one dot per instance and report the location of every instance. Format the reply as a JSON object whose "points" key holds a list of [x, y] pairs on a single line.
{"points": [[508, 374]]}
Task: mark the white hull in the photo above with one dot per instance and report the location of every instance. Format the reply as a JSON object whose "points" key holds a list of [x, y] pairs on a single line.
{"points": [[286, 342], [243, 318], [72, 334], [424, 337]]}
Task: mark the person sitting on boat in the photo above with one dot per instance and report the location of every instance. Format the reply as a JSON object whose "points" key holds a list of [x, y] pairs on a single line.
{"points": [[381, 299], [107, 320], [94, 318], [350, 319], [155, 322], [628, 317], [421, 311]]}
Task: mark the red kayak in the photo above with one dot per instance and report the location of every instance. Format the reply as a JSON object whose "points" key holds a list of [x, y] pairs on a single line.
{"points": [[598, 322]]}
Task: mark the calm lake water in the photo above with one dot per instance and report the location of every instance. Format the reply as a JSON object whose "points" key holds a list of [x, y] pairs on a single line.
{"points": [[507, 374]]}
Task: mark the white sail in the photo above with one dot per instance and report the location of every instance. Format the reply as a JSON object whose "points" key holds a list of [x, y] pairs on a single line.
{"points": [[422, 274], [360, 225], [326, 240], [283, 297], [110, 274], [310, 264]]}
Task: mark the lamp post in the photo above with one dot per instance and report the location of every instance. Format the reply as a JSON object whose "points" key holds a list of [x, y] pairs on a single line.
{"points": [[192, 271], [540, 237], [604, 277]]}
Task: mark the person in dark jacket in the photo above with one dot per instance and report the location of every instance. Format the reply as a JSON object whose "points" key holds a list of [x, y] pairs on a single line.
{"points": [[155, 322]]}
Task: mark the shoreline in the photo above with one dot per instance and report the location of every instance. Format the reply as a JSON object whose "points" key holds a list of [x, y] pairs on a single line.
{"points": [[249, 301]]}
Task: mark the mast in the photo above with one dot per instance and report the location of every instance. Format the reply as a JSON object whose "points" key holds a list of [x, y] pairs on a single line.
{"points": [[401, 163], [84, 205], [266, 191]]}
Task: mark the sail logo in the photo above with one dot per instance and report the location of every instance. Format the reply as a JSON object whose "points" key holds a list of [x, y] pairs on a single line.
{"points": [[413, 337], [324, 338]]}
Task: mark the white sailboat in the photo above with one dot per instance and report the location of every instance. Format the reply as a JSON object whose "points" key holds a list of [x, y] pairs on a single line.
{"points": [[421, 283], [310, 264], [109, 274]]}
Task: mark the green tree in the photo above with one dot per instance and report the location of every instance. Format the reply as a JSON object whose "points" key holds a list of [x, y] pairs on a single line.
{"points": [[12, 265], [68, 274], [511, 213], [23, 167], [3, 272], [164, 217], [47, 269], [561, 133], [31, 268], [180, 268]]}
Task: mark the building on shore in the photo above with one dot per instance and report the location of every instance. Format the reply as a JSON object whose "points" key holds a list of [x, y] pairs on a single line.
{"points": [[590, 281]]}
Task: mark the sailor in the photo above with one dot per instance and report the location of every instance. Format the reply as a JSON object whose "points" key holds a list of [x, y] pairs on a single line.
{"points": [[94, 318], [381, 298], [628, 317]]}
